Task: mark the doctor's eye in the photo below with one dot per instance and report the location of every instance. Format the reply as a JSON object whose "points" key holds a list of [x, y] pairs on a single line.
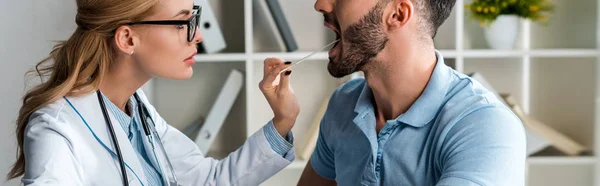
{"points": [[180, 26]]}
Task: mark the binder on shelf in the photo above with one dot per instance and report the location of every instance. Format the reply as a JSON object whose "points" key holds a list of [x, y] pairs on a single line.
{"points": [[282, 25], [219, 111], [191, 131], [548, 134], [311, 136], [213, 37]]}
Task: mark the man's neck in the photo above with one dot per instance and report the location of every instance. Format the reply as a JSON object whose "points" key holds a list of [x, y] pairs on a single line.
{"points": [[397, 81], [121, 82]]}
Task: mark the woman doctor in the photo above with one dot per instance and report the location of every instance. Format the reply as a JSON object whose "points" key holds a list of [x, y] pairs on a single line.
{"points": [[90, 124]]}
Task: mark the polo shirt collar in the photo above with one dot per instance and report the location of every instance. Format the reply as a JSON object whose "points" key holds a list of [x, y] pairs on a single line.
{"points": [[425, 108]]}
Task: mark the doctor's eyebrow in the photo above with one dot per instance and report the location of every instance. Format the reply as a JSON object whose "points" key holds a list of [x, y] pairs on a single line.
{"points": [[182, 12]]}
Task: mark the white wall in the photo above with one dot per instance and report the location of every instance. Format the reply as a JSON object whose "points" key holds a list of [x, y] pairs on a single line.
{"points": [[27, 33]]}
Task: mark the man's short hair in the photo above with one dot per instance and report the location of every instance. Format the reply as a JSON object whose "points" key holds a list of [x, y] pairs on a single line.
{"points": [[434, 13]]}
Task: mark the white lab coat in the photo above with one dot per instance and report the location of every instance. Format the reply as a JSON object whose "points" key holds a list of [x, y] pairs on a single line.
{"points": [[60, 150]]}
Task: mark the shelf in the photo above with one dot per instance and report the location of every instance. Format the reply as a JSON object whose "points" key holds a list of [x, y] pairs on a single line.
{"points": [[221, 57], [576, 160], [565, 53], [486, 53], [476, 53], [318, 56]]}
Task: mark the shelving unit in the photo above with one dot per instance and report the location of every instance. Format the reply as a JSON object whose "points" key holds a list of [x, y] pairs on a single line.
{"points": [[553, 73], [472, 53], [561, 161]]}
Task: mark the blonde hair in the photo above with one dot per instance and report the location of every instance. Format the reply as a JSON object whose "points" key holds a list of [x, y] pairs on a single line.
{"points": [[79, 63]]}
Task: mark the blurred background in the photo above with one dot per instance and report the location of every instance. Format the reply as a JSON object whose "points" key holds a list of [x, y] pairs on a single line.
{"points": [[541, 56]]}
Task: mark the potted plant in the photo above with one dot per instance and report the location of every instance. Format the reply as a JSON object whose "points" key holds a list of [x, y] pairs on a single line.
{"points": [[500, 18]]}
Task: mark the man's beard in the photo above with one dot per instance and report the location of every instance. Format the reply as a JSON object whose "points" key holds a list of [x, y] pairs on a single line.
{"points": [[363, 41]]}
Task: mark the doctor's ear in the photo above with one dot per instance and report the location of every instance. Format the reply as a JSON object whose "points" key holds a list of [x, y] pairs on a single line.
{"points": [[400, 14], [124, 39]]}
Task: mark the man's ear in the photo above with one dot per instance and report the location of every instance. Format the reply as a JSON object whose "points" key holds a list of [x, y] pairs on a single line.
{"points": [[401, 13], [124, 40]]}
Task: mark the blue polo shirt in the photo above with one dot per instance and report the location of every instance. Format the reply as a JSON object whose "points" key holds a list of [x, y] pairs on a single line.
{"points": [[456, 133]]}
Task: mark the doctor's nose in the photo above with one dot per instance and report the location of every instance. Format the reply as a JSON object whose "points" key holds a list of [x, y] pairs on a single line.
{"points": [[198, 37]]}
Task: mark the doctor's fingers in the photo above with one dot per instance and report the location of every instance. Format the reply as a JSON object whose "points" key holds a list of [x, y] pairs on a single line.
{"points": [[272, 78], [284, 83], [271, 63]]}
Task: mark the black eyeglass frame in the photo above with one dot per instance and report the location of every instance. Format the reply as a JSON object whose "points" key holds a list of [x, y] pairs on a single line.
{"points": [[192, 23]]}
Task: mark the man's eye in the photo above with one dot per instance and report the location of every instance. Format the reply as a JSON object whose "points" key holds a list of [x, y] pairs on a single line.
{"points": [[180, 26]]}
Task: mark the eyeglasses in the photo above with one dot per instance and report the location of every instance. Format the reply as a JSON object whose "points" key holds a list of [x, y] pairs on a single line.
{"points": [[192, 23]]}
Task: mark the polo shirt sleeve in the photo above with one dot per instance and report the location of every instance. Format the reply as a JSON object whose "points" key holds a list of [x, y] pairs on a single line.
{"points": [[485, 147], [322, 159]]}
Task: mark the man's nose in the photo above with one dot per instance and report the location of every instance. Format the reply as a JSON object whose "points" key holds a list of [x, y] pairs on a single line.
{"points": [[324, 6]]}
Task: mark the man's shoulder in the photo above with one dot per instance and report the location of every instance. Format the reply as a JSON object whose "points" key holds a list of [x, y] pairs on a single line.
{"points": [[467, 95], [476, 126], [469, 105]]}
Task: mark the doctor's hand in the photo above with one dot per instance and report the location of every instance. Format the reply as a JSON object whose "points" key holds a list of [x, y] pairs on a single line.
{"points": [[280, 95]]}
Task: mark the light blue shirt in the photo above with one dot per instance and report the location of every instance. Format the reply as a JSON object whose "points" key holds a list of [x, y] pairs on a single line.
{"points": [[132, 128], [456, 133]]}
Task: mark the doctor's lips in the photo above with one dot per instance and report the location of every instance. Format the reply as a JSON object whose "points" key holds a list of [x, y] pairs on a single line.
{"points": [[330, 22], [190, 60]]}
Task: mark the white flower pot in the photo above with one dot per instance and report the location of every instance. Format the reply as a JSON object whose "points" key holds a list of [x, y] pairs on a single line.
{"points": [[503, 32]]}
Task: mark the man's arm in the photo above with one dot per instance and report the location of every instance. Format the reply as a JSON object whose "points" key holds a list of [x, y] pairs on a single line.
{"points": [[311, 178], [323, 171], [486, 147]]}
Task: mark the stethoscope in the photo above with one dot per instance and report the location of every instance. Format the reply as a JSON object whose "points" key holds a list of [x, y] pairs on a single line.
{"points": [[169, 177]]}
